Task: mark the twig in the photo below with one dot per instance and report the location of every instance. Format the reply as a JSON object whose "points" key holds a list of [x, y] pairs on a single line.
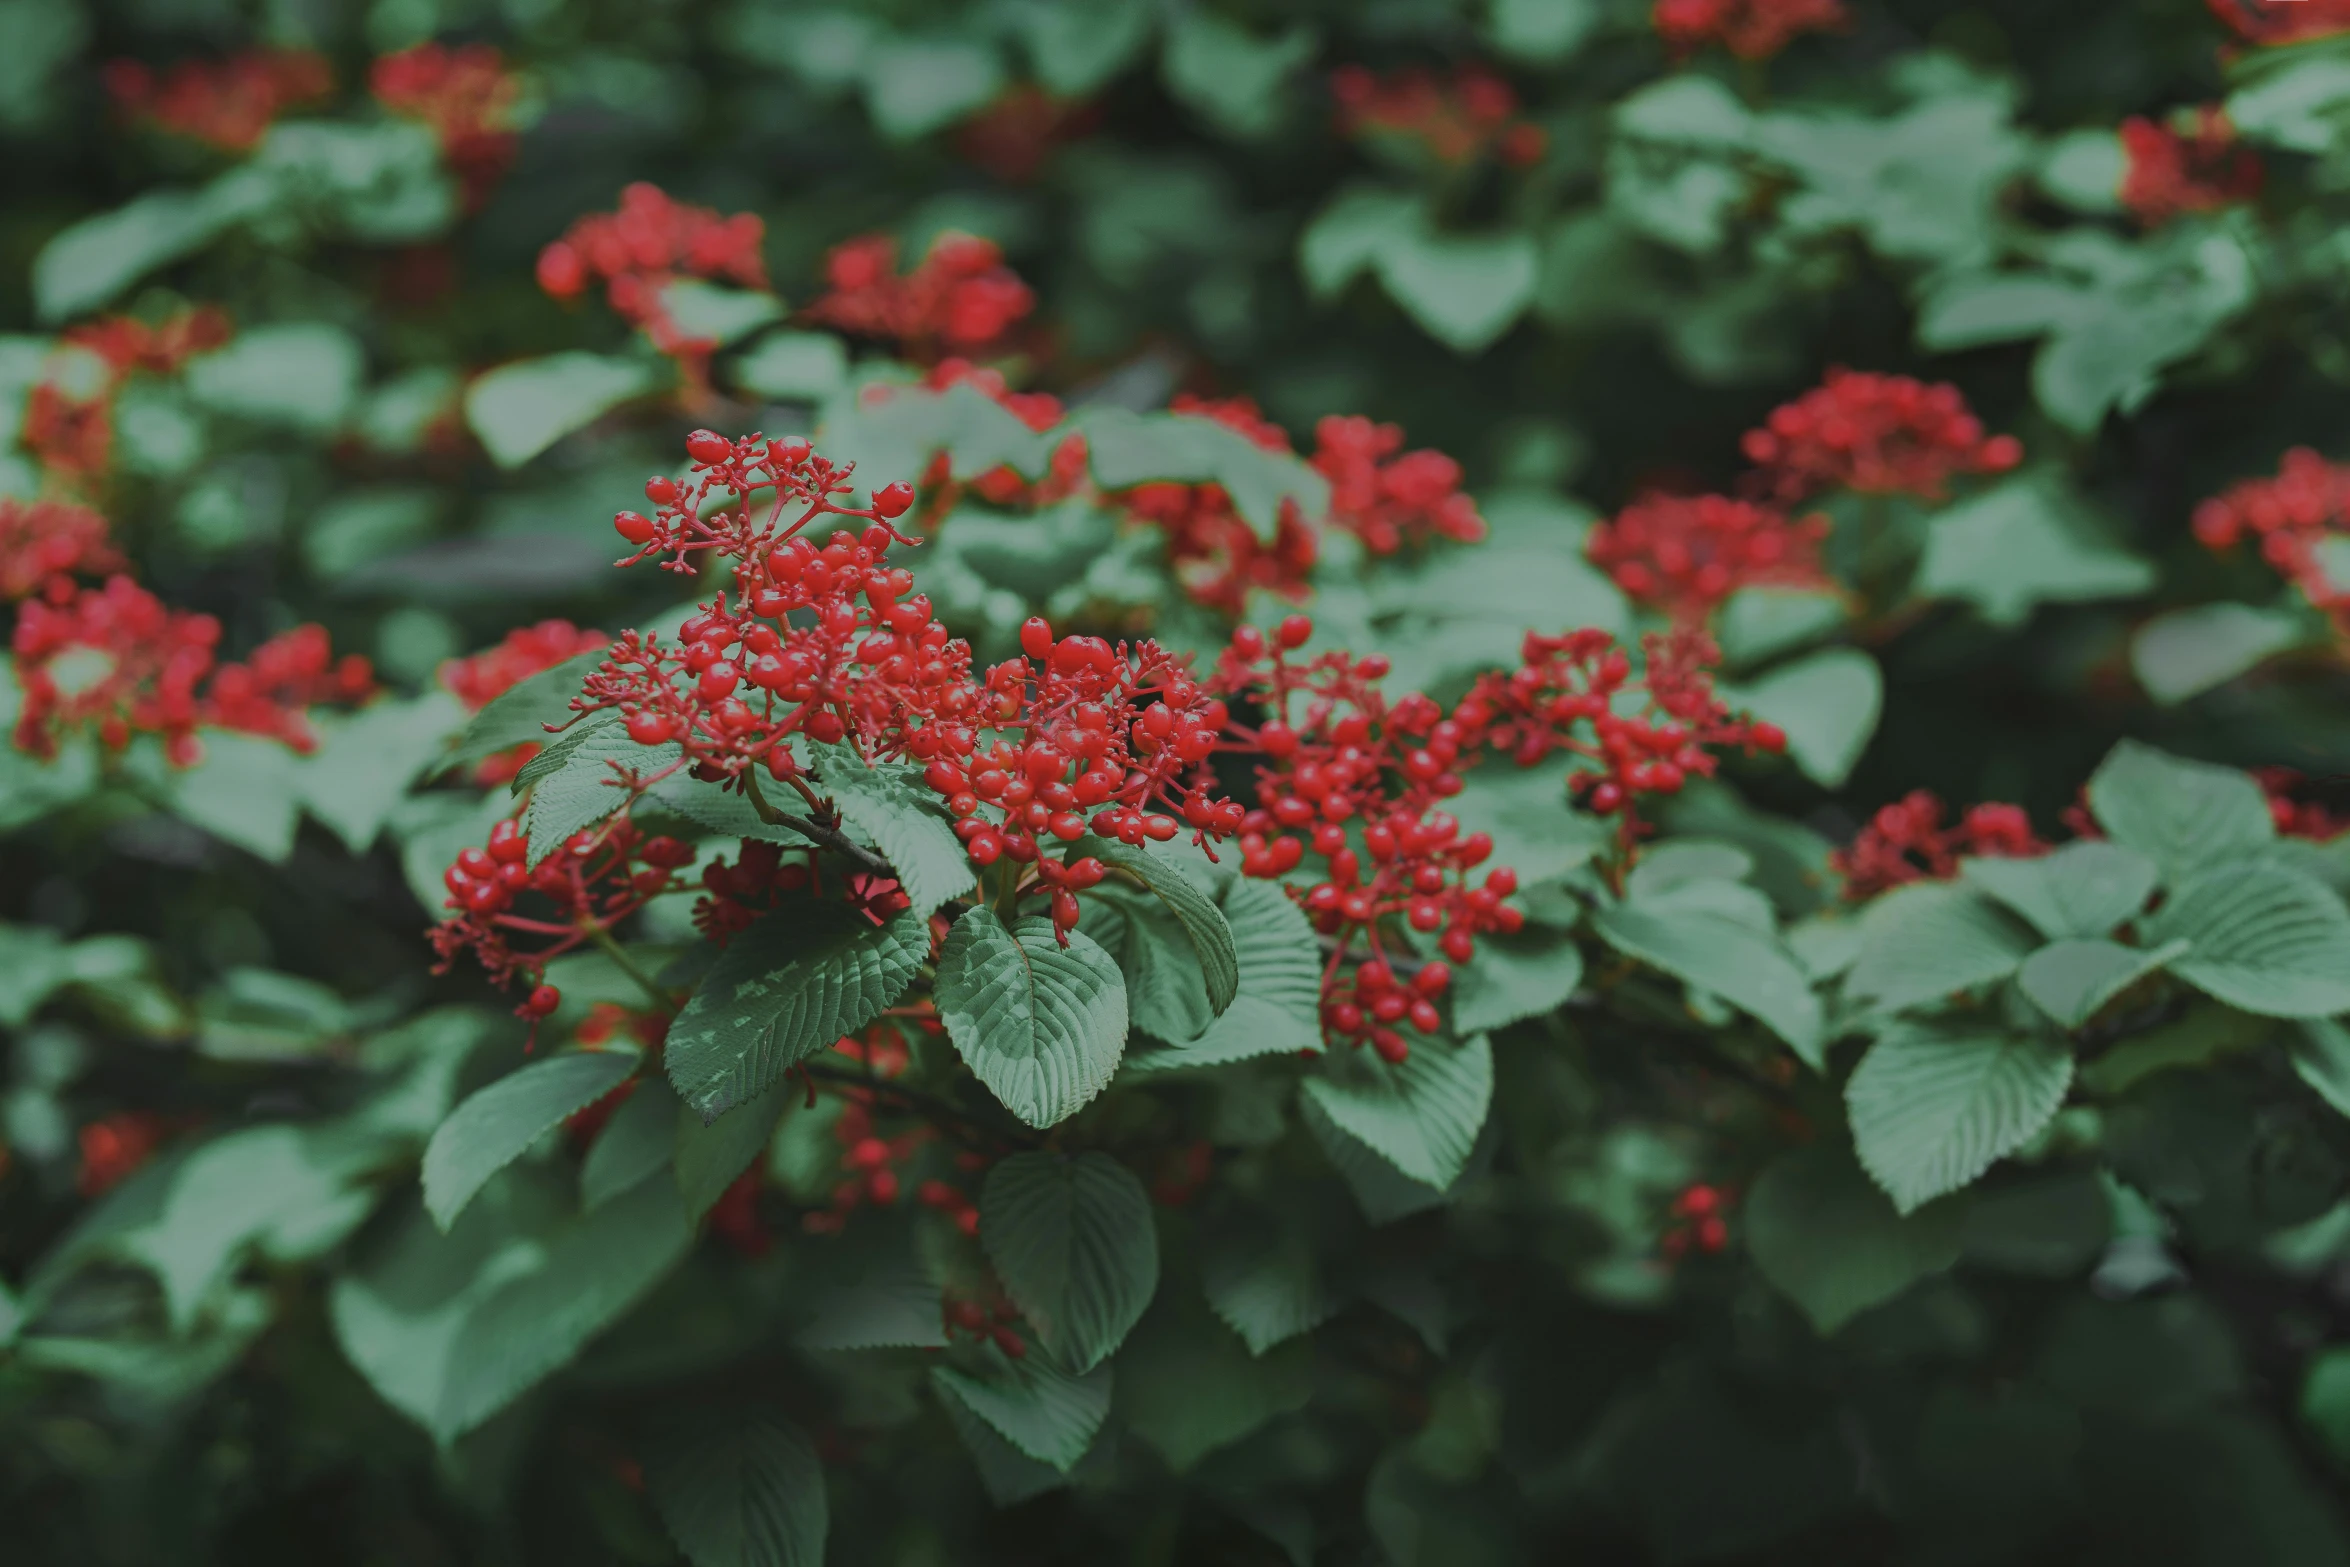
{"points": [[830, 838], [627, 965]]}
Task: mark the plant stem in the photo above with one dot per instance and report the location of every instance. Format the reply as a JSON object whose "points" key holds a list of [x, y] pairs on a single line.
{"points": [[628, 965], [864, 858]]}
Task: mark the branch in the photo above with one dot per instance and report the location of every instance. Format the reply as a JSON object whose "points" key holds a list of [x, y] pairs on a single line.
{"points": [[938, 1110], [830, 838]]}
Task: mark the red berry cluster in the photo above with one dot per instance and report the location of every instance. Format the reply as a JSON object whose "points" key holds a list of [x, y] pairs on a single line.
{"points": [[1749, 29], [1388, 497], [481, 678], [960, 299], [225, 104], [1685, 554], [1906, 842], [2200, 168], [1452, 119], [1573, 693], [761, 876], [599, 877], [2297, 817], [69, 414], [1358, 780], [1876, 435], [468, 98], [1212, 549], [648, 244], [1016, 134], [2283, 21], [1086, 737], [114, 1147], [868, 1164], [1698, 1222], [1004, 486], [985, 1321], [2290, 516], [44, 544], [131, 666]]}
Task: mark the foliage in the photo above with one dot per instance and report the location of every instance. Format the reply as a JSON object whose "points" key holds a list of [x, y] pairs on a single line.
{"points": [[1482, 781]]}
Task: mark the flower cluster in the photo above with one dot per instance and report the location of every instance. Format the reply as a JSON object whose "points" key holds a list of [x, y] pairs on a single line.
{"points": [[1453, 120], [1906, 841], [44, 544], [481, 678], [959, 300], [2290, 516], [2283, 21], [115, 661], [598, 877], [1685, 554], [2200, 168], [1876, 435], [225, 104], [468, 98], [1749, 29], [1017, 133], [1388, 497], [1575, 693], [69, 413], [648, 244], [1215, 553]]}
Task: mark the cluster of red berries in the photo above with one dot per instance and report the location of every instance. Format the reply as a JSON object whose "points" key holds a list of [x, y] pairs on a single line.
{"points": [[986, 1322], [2297, 817], [1685, 554], [1087, 737], [1572, 693], [1386, 496], [1369, 1007], [467, 97], [648, 244], [225, 104], [1698, 1222], [114, 1147], [2283, 21], [45, 544], [1749, 29], [1211, 548], [1874, 435], [596, 879], [2291, 516], [868, 1164], [2199, 168], [481, 678], [1453, 119], [156, 671], [1018, 132], [960, 299], [1906, 841], [69, 413], [1005, 485]]}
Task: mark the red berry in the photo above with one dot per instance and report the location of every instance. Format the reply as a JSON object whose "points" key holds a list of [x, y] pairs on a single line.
{"points": [[543, 1000], [1294, 631], [708, 447], [1036, 637], [660, 489], [894, 500], [635, 527]]}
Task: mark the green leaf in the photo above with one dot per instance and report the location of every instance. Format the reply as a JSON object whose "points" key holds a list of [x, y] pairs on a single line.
{"points": [[1202, 920], [1188, 1386], [1040, 1024], [494, 1127], [1541, 32], [900, 434], [2262, 939], [634, 1145], [888, 1311], [304, 376], [1931, 940], [583, 778], [1931, 1112], [1078, 45], [888, 806], [2183, 653], [1037, 1407], [1234, 79], [521, 714], [2084, 170], [711, 1154], [364, 764], [1465, 290], [1277, 1005], [715, 314], [520, 409], [786, 989], [2205, 1034], [1072, 1240], [1265, 1283], [1513, 977], [246, 791], [1347, 237], [2072, 980], [1723, 956], [1423, 1115], [2082, 889], [809, 367], [1830, 1241], [1383, 1192], [2320, 1052], [91, 262], [916, 85], [739, 1488], [2024, 543], [1828, 705], [2178, 813], [1124, 449], [1972, 309], [1760, 623]]}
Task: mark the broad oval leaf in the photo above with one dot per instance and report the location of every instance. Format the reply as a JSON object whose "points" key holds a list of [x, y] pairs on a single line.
{"points": [[890, 808], [739, 1488], [2261, 939], [584, 782], [1194, 910], [783, 990], [1073, 1242], [518, 410], [2178, 813], [1715, 952], [1421, 1115], [521, 714], [1042, 1025], [1278, 1006], [1830, 1241], [2071, 980], [1514, 977], [1034, 1405], [634, 1144], [710, 1154], [491, 1129], [2082, 889], [1931, 1112], [1931, 940]]}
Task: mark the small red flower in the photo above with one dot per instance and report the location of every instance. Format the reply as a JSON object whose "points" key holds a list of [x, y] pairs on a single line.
{"points": [[2199, 169]]}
